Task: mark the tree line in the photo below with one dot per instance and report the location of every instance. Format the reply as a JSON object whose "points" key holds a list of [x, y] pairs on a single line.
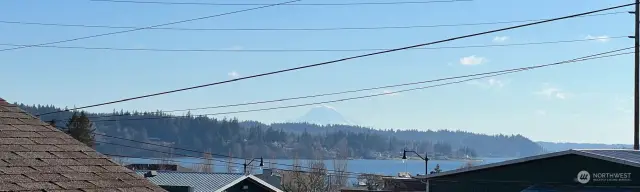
{"points": [[281, 140]]}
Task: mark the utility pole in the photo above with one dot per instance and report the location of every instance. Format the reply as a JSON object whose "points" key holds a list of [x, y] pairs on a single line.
{"points": [[636, 98]]}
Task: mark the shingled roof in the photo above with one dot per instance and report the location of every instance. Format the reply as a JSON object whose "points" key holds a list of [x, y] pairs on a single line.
{"points": [[35, 156]]}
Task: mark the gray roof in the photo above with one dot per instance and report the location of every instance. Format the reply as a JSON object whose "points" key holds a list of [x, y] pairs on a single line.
{"points": [[204, 182], [631, 156], [621, 156], [35, 156], [200, 182]]}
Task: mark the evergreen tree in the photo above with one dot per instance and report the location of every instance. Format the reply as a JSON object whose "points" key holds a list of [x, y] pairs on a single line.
{"points": [[81, 128], [436, 169], [282, 140]]}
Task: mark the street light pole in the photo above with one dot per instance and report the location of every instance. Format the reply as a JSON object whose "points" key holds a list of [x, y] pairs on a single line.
{"points": [[425, 158], [426, 163], [636, 88], [636, 98], [245, 164]]}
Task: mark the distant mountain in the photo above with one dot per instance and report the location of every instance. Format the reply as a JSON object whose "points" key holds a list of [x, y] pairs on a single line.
{"points": [[553, 147], [324, 115]]}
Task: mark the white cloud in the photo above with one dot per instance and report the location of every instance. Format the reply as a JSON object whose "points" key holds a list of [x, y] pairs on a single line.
{"points": [[472, 60], [541, 112], [489, 83], [552, 92], [601, 38], [500, 39], [495, 83], [390, 93], [624, 105], [235, 47], [233, 74]]}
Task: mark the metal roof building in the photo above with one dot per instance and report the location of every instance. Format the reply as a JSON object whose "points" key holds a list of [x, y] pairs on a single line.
{"points": [[572, 170], [209, 182]]}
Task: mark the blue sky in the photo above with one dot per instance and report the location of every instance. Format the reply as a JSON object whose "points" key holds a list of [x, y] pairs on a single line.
{"points": [[585, 102]]}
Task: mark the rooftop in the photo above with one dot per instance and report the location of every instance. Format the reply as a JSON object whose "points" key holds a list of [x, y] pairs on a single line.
{"points": [[201, 182], [621, 156], [35, 156]]}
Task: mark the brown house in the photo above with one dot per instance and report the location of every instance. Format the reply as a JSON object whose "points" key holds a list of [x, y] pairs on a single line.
{"points": [[35, 156]]}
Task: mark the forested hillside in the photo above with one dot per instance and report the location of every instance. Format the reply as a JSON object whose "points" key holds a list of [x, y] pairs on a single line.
{"points": [[283, 140]]}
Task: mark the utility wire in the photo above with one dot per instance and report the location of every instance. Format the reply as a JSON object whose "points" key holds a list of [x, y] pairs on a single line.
{"points": [[159, 159], [219, 160], [313, 50], [170, 153], [374, 88], [160, 25], [199, 152], [188, 150], [485, 75], [158, 151], [345, 59], [291, 29], [187, 162], [294, 4]]}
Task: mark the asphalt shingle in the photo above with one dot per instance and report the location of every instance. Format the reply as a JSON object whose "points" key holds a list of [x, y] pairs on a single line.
{"points": [[14, 179], [72, 154], [38, 186], [41, 147], [47, 177], [35, 156], [76, 185], [10, 187], [9, 155]]}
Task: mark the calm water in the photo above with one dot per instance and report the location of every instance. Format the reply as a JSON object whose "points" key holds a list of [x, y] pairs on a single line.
{"points": [[385, 167]]}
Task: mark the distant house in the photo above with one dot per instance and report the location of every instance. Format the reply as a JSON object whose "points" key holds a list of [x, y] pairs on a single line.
{"points": [[158, 167], [271, 177], [360, 189], [174, 181], [35, 156], [403, 184]]}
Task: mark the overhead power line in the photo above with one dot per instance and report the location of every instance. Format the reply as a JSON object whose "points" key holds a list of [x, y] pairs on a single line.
{"points": [[368, 89], [219, 160], [190, 150], [345, 59], [293, 4], [350, 176], [291, 29], [196, 151], [148, 27], [482, 76], [312, 50], [328, 174], [153, 150]]}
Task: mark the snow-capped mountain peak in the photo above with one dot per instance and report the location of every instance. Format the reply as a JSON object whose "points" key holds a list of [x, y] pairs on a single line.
{"points": [[324, 115]]}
